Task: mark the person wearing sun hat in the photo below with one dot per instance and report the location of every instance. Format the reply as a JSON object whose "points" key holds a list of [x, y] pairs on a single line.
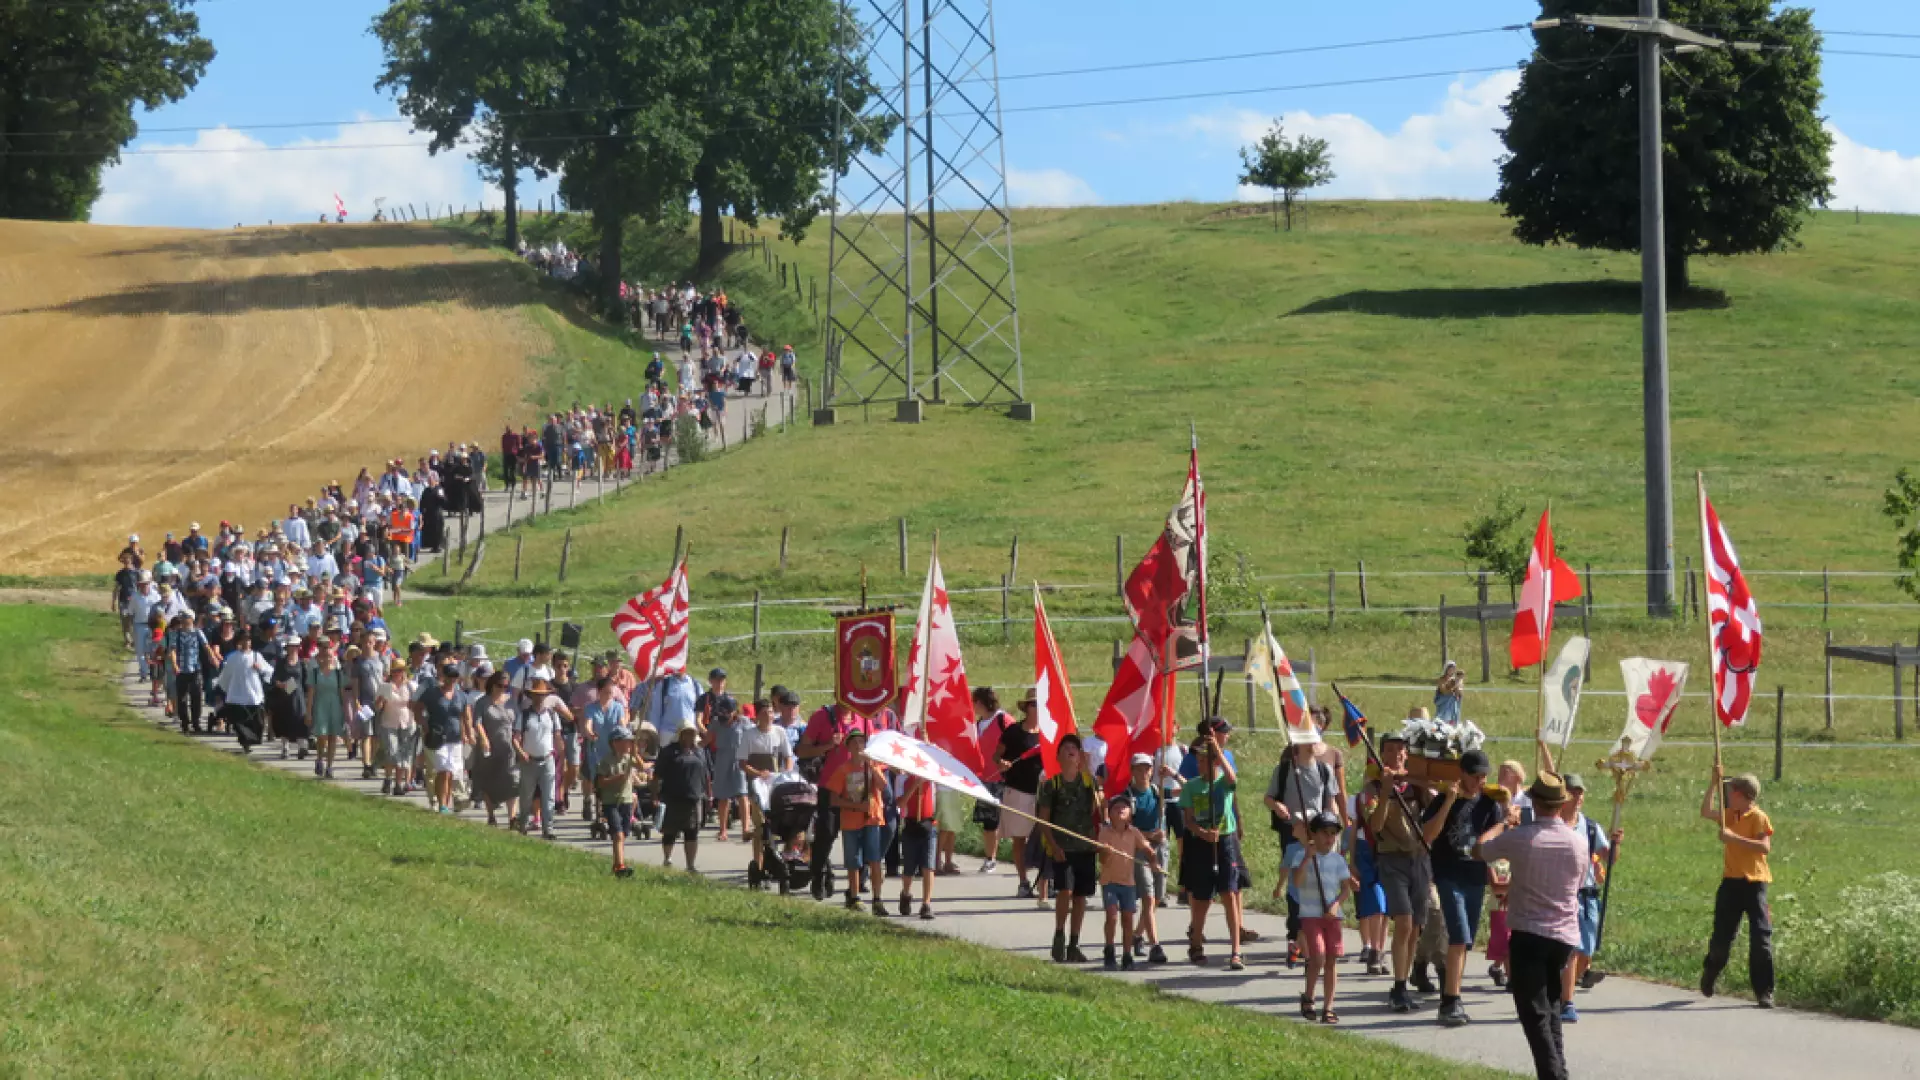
{"points": [[534, 737], [1549, 860]]}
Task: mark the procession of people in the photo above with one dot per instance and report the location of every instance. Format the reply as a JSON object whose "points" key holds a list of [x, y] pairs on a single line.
{"points": [[278, 635]]}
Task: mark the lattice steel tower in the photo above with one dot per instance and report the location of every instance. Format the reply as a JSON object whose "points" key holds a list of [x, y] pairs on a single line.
{"points": [[920, 285]]}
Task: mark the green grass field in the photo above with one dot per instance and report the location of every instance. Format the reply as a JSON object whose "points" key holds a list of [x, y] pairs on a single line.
{"points": [[1361, 389], [170, 911]]}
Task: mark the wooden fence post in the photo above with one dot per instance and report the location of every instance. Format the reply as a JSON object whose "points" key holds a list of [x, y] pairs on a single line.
{"points": [[1826, 597], [903, 547], [479, 552], [759, 681], [1363, 584], [1899, 722], [1253, 712], [546, 624], [1013, 560], [1828, 653], [1006, 609], [1779, 729], [549, 508], [1588, 582], [1480, 616], [483, 518], [1330, 587], [566, 551], [679, 544], [519, 542], [1119, 565], [446, 551], [1443, 630], [786, 533], [756, 626]]}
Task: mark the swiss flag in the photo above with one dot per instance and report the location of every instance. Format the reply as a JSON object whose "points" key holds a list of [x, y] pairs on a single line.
{"points": [[1052, 692], [1549, 581], [1129, 720], [939, 707]]}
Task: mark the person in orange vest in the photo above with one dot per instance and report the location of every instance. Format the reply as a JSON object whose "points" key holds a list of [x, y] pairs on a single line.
{"points": [[400, 534]]}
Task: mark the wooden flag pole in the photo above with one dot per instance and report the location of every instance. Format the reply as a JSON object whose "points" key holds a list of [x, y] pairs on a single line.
{"points": [[1004, 808], [1713, 701], [1541, 759]]}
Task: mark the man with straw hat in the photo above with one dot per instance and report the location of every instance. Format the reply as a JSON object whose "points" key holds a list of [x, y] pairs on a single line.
{"points": [[534, 737], [1549, 859]]}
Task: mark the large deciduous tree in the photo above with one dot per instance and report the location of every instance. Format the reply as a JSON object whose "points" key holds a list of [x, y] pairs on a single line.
{"points": [[1284, 165], [478, 70], [1745, 156], [773, 80], [70, 75]]}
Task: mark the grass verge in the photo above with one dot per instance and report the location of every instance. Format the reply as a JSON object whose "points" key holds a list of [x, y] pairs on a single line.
{"points": [[170, 911]]}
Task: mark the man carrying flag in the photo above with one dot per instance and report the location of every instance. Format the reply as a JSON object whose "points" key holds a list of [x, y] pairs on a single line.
{"points": [[652, 627], [1053, 694], [939, 707]]}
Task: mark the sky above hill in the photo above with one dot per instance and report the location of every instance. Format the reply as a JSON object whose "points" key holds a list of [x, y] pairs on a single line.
{"points": [[287, 116]]}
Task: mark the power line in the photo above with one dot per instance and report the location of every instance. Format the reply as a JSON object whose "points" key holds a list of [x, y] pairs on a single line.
{"points": [[1296, 51]]}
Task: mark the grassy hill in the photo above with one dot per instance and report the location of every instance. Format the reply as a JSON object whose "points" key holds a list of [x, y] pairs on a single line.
{"points": [[1362, 389]]}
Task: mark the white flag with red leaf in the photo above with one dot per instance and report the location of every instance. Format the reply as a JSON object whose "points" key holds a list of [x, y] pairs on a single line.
{"points": [[1653, 693], [939, 707]]}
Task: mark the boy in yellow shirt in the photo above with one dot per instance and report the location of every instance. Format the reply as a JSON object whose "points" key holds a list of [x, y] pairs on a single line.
{"points": [[1746, 837]]}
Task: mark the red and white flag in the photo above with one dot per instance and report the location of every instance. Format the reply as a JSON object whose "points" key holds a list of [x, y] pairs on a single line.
{"points": [[652, 627], [916, 758], [1549, 581], [1653, 693], [1733, 621], [1052, 692], [339, 208], [1130, 717], [939, 707], [1271, 671], [1172, 570]]}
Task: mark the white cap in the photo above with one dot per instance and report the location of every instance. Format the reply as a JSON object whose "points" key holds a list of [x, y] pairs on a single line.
{"points": [[1143, 759], [133, 538], [195, 527], [526, 646], [476, 651]]}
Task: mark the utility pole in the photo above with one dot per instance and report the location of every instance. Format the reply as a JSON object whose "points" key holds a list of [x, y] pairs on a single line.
{"points": [[1652, 31]]}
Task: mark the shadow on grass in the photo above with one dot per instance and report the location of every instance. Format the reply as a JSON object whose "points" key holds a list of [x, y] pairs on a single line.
{"points": [[468, 284], [1551, 298], [273, 242]]}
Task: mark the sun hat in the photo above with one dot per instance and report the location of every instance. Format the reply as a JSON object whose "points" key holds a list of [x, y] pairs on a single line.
{"points": [[538, 686], [1547, 788]]}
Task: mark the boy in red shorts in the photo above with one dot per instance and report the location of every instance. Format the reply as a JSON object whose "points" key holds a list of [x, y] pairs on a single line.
{"points": [[1323, 881]]}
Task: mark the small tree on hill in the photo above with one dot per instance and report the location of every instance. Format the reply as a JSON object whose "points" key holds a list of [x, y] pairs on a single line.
{"points": [[1903, 507], [1286, 166]]}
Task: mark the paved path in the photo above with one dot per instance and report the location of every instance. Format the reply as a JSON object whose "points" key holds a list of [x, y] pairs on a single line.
{"points": [[1627, 1028]]}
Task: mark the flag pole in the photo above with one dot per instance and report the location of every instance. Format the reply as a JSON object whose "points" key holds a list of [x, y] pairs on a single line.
{"points": [[1713, 706], [1541, 759], [1208, 706], [1373, 756]]}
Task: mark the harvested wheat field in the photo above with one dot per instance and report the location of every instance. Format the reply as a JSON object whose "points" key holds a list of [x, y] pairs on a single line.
{"points": [[149, 377]]}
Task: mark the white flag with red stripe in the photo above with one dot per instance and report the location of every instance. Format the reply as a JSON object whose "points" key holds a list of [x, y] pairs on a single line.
{"points": [[1052, 692], [339, 208], [652, 627], [1733, 621]]}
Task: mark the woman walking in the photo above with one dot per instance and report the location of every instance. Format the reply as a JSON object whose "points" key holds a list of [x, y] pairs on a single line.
{"points": [[328, 702], [393, 720], [496, 773], [729, 779]]}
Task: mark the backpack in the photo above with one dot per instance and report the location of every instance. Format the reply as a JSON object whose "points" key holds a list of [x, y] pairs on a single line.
{"points": [[1326, 784]]}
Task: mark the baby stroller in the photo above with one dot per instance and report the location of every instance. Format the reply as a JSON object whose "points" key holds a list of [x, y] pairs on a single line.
{"points": [[789, 814]]}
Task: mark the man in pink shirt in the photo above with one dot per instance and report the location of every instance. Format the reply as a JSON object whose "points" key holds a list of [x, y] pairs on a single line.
{"points": [[1549, 860]]}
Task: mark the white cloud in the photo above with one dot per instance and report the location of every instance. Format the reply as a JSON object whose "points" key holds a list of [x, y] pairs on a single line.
{"points": [[1048, 187], [1448, 153], [1873, 179], [225, 176]]}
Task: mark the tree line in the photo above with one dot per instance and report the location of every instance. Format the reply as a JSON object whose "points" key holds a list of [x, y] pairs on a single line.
{"points": [[643, 108]]}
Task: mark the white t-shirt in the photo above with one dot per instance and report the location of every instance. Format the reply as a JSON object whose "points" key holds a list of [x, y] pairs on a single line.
{"points": [[538, 727], [771, 742]]}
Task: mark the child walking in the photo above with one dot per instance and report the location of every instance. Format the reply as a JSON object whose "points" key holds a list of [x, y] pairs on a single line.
{"points": [[1746, 839], [1118, 893], [1323, 881]]}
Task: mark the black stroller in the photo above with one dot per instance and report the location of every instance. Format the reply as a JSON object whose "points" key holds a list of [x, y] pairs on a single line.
{"points": [[789, 815]]}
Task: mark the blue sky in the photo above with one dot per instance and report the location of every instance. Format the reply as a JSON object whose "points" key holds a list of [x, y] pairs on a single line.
{"points": [[281, 63]]}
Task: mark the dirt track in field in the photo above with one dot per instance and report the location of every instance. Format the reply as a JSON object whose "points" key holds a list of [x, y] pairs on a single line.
{"points": [[152, 377]]}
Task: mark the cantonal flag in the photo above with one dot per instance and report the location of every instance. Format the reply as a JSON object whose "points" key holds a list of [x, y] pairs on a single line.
{"points": [[1733, 621], [1052, 691], [1549, 581], [939, 707]]}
